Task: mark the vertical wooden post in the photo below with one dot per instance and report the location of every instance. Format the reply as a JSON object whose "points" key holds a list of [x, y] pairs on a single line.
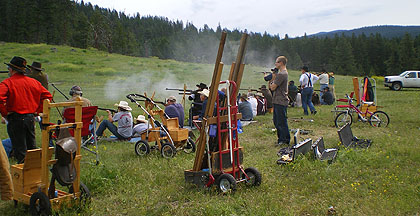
{"points": [[44, 147], [78, 138], [356, 89]]}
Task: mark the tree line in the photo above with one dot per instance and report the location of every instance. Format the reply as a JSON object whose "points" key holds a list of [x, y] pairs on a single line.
{"points": [[83, 25]]}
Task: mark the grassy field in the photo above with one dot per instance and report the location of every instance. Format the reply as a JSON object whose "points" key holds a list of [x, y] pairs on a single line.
{"points": [[382, 180]]}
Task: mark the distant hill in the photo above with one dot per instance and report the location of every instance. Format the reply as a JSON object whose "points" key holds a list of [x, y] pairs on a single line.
{"points": [[387, 31]]}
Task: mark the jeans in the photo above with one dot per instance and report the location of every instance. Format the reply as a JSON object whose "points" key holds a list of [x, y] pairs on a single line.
{"points": [[321, 92], [280, 122], [307, 100], [21, 130], [111, 127]]}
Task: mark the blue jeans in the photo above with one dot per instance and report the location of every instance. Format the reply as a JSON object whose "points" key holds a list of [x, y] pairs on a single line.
{"points": [[111, 127], [280, 122], [307, 100], [321, 92]]}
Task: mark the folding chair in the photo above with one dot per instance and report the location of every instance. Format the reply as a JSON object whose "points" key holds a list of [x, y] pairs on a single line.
{"points": [[89, 127]]}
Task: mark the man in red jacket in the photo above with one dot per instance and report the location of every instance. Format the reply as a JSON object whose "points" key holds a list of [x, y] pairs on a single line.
{"points": [[21, 100]]}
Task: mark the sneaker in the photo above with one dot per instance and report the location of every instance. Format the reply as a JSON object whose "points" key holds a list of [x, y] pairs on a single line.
{"points": [[313, 112]]}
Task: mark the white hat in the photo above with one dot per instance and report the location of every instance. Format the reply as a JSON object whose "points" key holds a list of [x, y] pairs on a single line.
{"points": [[171, 98], [205, 92], [141, 118], [124, 105]]}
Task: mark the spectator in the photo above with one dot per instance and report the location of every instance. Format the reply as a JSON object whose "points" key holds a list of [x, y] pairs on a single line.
{"points": [[327, 97], [307, 81], [245, 108], [331, 81], [292, 93], [21, 99], [262, 104], [36, 73], [323, 81], [254, 103], [175, 110], [124, 119], [268, 96]]}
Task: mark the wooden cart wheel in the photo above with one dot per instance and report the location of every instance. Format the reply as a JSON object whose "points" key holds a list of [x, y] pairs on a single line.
{"points": [[226, 183], [189, 146], [253, 175], [168, 150], [142, 148], [39, 204]]}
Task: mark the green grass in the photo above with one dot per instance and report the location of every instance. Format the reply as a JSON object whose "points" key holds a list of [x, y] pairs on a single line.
{"points": [[383, 180]]}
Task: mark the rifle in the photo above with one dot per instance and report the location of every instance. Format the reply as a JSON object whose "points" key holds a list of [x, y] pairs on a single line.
{"points": [[175, 89], [263, 72], [112, 110], [52, 84], [4, 71], [242, 89]]}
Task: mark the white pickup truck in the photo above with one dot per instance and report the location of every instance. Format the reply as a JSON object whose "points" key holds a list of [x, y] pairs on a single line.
{"points": [[407, 79]]}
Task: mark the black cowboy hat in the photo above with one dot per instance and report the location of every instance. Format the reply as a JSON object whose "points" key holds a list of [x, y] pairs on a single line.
{"points": [[18, 64], [36, 66], [201, 86], [263, 87]]}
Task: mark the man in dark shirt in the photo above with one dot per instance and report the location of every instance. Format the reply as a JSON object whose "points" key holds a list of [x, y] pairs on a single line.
{"points": [[268, 96], [36, 73], [327, 97], [175, 110], [21, 98], [245, 108]]}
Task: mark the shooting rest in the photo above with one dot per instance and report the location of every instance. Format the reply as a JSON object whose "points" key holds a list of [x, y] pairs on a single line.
{"points": [[350, 141], [299, 149], [321, 153]]}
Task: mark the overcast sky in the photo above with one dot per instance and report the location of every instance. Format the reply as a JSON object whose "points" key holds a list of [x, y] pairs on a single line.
{"points": [[292, 17]]}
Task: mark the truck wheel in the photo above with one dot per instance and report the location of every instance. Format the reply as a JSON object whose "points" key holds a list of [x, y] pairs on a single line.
{"points": [[396, 86]]}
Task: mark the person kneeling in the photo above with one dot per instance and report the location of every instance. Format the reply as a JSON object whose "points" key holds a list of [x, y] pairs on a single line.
{"points": [[327, 97], [124, 119]]}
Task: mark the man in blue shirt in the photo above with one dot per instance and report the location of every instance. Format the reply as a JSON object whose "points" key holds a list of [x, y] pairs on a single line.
{"points": [[175, 110]]}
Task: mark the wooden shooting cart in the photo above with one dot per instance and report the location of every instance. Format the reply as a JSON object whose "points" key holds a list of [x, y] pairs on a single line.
{"points": [[222, 163], [31, 179]]}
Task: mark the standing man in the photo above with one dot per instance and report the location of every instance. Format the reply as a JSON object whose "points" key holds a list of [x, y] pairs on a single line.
{"points": [[323, 82], [281, 101], [21, 98], [307, 81], [175, 110], [36, 73]]}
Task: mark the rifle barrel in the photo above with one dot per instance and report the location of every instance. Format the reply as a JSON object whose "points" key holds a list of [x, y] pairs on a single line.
{"points": [[4, 71], [175, 89], [112, 110]]}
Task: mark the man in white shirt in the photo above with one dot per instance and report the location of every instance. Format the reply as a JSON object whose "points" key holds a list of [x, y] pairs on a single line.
{"points": [[323, 81], [307, 81], [254, 103]]}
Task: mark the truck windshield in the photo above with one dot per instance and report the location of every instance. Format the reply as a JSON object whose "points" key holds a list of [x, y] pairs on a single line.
{"points": [[403, 73]]}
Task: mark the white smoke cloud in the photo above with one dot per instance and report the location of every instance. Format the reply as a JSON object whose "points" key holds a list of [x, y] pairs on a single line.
{"points": [[141, 83]]}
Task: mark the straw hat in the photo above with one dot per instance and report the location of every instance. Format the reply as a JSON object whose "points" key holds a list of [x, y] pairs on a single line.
{"points": [[124, 105], [141, 118], [205, 92]]}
